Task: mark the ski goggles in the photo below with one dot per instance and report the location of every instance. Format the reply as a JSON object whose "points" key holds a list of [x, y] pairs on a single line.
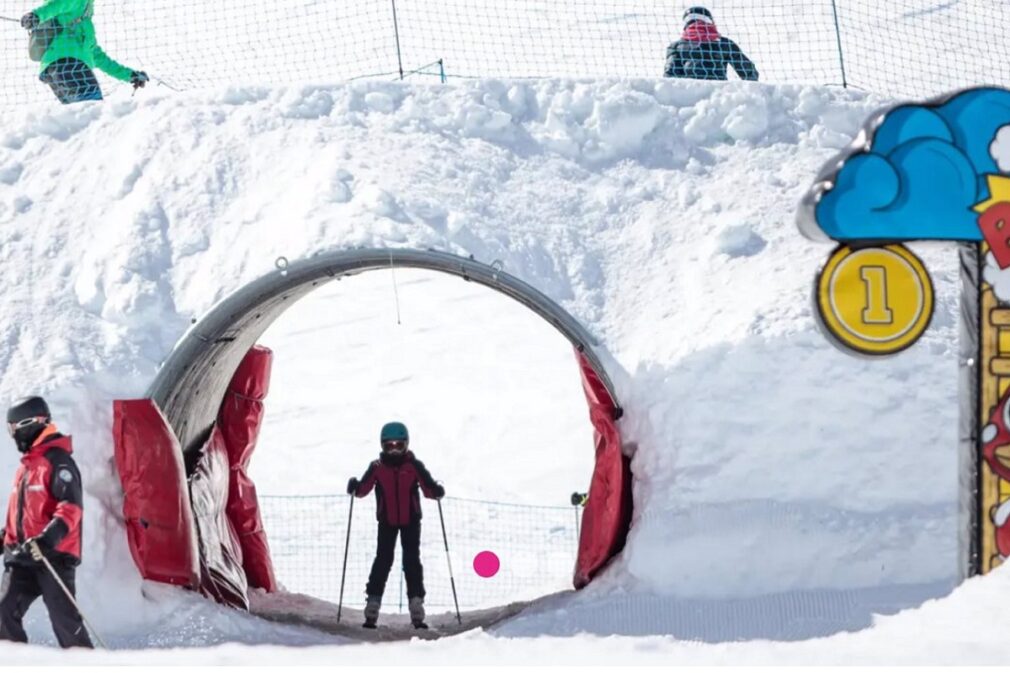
{"points": [[24, 423], [394, 445], [690, 17]]}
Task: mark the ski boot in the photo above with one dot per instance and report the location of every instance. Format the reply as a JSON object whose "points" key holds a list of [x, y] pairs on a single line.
{"points": [[372, 605], [416, 606]]}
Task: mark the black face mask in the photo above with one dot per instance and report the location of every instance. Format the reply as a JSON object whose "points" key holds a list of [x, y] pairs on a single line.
{"points": [[394, 459], [26, 436]]}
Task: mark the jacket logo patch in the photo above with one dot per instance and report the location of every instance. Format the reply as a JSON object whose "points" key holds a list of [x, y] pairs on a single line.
{"points": [[36, 487], [65, 475]]}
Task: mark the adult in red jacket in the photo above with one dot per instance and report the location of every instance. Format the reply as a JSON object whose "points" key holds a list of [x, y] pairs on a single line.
{"points": [[43, 520], [397, 476]]}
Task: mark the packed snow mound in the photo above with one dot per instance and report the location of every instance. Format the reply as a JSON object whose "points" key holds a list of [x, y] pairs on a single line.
{"points": [[659, 213]]}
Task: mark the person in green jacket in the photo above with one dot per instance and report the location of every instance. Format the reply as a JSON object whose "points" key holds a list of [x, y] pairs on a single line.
{"points": [[69, 61]]}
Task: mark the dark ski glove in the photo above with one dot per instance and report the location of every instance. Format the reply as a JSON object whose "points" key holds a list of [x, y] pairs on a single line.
{"points": [[30, 21], [138, 78], [439, 491], [37, 548], [352, 486], [23, 553]]}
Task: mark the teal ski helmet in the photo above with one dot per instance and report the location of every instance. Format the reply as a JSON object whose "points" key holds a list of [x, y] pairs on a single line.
{"points": [[394, 431]]}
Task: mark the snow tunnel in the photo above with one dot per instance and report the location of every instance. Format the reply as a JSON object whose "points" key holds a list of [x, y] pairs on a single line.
{"points": [[176, 483]]}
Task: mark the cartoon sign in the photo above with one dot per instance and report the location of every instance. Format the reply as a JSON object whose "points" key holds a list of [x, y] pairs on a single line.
{"points": [[936, 171], [996, 451], [874, 301], [915, 172]]}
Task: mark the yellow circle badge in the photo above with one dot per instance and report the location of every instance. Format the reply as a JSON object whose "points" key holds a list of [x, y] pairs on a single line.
{"points": [[874, 301]]}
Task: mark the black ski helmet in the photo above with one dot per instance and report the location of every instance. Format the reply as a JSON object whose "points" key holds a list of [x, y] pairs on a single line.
{"points": [[26, 409], [697, 13]]}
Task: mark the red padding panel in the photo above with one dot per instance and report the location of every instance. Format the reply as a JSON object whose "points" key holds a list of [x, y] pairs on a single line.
{"points": [[240, 418], [607, 514], [159, 520], [221, 574]]}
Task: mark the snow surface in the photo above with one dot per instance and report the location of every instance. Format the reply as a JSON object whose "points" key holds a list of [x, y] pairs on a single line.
{"points": [[770, 471]]}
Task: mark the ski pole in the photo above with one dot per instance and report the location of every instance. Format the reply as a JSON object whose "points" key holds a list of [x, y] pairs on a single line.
{"points": [[7, 18], [165, 84], [452, 581], [578, 500], [37, 553], [347, 545]]}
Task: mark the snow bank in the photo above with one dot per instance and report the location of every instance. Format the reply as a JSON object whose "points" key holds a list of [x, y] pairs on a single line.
{"points": [[659, 213]]}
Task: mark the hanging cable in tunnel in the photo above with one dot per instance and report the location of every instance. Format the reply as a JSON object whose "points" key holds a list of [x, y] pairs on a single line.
{"points": [[396, 293]]}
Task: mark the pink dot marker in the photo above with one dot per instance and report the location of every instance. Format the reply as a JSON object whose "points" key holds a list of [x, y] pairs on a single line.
{"points": [[486, 564]]}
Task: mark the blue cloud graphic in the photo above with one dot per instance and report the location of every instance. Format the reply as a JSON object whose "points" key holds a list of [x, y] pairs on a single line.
{"points": [[922, 175]]}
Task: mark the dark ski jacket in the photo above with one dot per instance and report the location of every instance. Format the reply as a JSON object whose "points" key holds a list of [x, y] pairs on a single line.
{"points": [[47, 501], [396, 480], [701, 53]]}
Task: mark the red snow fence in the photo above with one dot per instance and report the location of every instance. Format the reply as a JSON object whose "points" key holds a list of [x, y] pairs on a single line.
{"points": [[607, 514], [159, 520]]}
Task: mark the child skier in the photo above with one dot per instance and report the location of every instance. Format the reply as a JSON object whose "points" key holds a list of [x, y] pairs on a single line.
{"points": [[395, 476]]}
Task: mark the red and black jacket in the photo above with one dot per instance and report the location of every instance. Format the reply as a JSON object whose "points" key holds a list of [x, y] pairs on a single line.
{"points": [[46, 501], [396, 480]]}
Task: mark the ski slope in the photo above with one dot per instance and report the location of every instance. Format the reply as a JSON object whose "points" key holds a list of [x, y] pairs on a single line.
{"points": [[372, 342]]}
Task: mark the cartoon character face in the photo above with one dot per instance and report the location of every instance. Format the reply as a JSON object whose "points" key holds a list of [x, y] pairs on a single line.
{"points": [[996, 450], [1000, 516], [996, 439]]}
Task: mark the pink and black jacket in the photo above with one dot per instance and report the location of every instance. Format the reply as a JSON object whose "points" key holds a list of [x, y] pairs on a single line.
{"points": [[702, 53], [398, 481]]}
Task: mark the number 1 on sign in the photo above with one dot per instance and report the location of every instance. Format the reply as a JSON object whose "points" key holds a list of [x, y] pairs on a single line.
{"points": [[876, 311]]}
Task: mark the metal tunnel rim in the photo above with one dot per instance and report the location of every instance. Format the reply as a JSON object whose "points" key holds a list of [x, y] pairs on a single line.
{"points": [[239, 320]]}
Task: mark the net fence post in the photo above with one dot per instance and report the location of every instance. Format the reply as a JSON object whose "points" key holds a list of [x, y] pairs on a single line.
{"points": [[578, 501], [396, 34], [838, 39]]}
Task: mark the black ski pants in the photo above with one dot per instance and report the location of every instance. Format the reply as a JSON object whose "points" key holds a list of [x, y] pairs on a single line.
{"points": [[72, 81], [410, 544], [22, 585]]}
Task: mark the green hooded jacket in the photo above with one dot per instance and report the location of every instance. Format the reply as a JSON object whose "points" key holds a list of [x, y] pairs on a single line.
{"points": [[77, 37]]}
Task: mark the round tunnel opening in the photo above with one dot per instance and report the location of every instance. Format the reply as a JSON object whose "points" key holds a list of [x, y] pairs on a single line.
{"points": [[193, 381], [496, 412]]}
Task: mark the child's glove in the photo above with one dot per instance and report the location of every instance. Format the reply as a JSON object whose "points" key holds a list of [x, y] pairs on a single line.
{"points": [[439, 491], [352, 486]]}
